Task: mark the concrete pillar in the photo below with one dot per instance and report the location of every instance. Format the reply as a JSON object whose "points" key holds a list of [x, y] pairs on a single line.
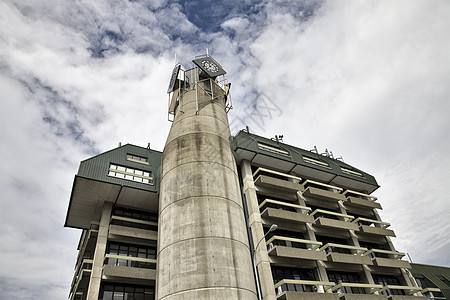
{"points": [[203, 250], [99, 253], [255, 223]]}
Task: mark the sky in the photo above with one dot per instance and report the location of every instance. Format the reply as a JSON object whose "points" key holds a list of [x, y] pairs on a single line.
{"points": [[368, 80]]}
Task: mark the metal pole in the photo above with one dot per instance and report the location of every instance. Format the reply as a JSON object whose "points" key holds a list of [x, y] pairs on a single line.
{"points": [[258, 285]]}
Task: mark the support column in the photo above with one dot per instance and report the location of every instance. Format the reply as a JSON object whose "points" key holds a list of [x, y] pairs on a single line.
{"points": [[256, 226], [99, 253]]}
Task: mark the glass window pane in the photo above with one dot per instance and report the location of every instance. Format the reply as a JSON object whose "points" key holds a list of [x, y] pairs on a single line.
{"points": [[107, 295]]}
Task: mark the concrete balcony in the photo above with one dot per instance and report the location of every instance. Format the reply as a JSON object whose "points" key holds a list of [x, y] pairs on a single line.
{"points": [[369, 288], [277, 184], [349, 259], [130, 273], [297, 253], [135, 269], [288, 216], [321, 194], [356, 258], [282, 290], [409, 290], [359, 202], [376, 230], [391, 263], [335, 224]]}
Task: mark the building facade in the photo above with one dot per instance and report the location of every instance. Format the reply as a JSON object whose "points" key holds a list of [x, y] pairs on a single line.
{"points": [[197, 221]]}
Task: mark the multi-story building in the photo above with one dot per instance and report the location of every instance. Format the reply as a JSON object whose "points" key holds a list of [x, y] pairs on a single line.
{"points": [[214, 217]]}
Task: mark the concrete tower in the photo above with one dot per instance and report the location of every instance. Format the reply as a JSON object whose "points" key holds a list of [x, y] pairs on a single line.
{"points": [[203, 249]]}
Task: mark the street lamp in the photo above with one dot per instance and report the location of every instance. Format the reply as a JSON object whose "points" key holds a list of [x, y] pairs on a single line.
{"points": [[258, 288]]}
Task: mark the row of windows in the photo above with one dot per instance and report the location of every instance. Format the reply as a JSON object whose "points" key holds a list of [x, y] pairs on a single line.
{"points": [[133, 251], [135, 214], [307, 159], [137, 158], [130, 174], [121, 292]]}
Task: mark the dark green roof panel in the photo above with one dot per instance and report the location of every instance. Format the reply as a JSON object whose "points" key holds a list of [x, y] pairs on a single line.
{"points": [[97, 167]]}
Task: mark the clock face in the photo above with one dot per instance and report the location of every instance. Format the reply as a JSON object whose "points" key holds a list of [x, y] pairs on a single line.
{"points": [[210, 66]]}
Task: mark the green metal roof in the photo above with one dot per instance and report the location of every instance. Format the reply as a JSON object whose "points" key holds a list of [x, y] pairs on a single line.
{"points": [[95, 184], [306, 164], [437, 275]]}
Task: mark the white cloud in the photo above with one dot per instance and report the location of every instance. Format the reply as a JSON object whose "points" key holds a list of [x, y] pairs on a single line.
{"points": [[368, 80]]}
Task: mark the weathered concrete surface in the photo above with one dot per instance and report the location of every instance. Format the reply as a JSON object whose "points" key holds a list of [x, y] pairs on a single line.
{"points": [[288, 252], [362, 202], [287, 216], [376, 230], [128, 272], [349, 258], [391, 263], [203, 250], [322, 194], [336, 224]]}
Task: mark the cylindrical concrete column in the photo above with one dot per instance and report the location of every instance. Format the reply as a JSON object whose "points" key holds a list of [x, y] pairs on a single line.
{"points": [[203, 250]]}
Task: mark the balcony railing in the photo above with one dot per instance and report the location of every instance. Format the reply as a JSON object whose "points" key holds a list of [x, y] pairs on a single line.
{"points": [[322, 185], [295, 240], [361, 195], [287, 176], [408, 289], [332, 213], [329, 246], [366, 286], [428, 292], [131, 261], [372, 253], [303, 209], [85, 268], [300, 285], [383, 225]]}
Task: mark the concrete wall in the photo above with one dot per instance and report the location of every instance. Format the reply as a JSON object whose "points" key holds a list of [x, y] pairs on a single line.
{"points": [[203, 250]]}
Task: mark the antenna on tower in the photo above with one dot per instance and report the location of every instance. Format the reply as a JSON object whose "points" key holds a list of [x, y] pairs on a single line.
{"points": [[175, 58], [207, 54]]}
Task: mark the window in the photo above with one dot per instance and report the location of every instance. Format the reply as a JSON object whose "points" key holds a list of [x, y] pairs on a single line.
{"points": [[286, 233], [370, 246], [314, 161], [130, 174], [137, 215], [138, 159], [388, 280], [131, 251], [326, 239], [341, 277], [122, 292], [280, 273], [273, 149], [351, 172]]}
